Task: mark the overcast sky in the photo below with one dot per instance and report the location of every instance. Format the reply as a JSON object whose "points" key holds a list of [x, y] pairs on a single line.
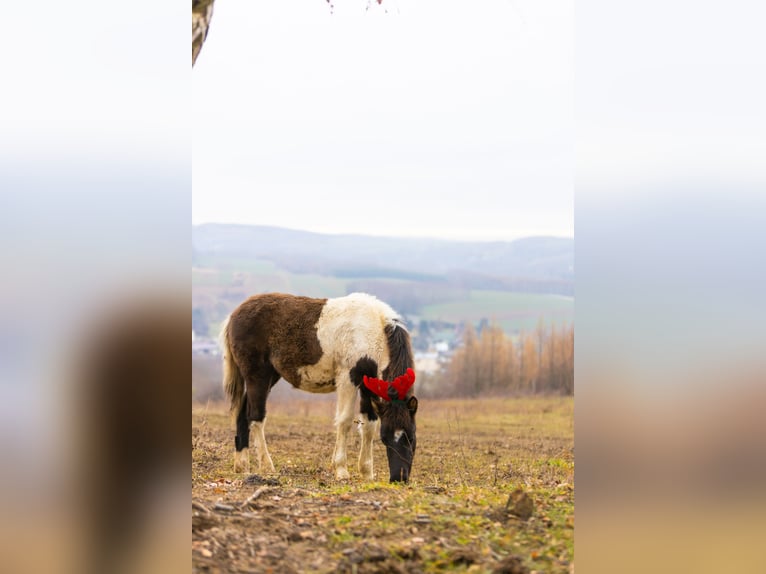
{"points": [[441, 119]]}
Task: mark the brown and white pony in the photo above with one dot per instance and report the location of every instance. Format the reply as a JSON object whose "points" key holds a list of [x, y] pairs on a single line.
{"points": [[321, 346]]}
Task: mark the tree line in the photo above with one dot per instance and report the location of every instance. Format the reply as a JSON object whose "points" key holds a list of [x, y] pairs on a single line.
{"points": [[492, 363]]}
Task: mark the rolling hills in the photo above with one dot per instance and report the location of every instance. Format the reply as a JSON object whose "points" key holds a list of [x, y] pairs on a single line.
{"points": [[515, 283]]}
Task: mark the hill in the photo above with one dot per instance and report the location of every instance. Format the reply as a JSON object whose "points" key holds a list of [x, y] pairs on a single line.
{"points": [[534, 259], [426, 279]]}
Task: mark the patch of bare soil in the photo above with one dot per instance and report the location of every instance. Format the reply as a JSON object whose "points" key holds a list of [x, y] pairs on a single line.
{"points": [[291, 530], [471, 479]]}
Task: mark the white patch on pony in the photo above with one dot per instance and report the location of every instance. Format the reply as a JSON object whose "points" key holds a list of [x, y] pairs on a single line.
{"points": [[398, 434], [350, 328], [316, 378]]}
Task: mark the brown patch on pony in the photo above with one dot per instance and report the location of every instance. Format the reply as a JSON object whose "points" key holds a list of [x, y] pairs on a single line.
{"points": [[399, 352], [276, 329]]}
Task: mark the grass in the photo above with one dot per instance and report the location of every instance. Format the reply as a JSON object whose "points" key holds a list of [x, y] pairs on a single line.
{"points": [[451, 516], [262, 276], [512, 311], [239, 264]]}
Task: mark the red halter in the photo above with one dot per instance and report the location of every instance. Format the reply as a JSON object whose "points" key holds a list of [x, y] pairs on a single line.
{"points": [[401, 384]]}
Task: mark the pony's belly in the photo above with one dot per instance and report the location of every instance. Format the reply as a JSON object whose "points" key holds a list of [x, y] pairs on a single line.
{"points": [[319, 378], [316, 387]]}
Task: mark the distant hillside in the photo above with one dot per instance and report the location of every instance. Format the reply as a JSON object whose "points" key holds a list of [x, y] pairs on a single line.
{"points": [[535, 264], [442, 282]]}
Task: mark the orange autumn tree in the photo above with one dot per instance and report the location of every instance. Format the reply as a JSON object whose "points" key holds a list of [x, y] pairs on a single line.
{"points": [[492, 363]]}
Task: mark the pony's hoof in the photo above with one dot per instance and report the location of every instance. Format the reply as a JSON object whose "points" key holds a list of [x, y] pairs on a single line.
{"points": [[266, 467], [242, 461], [342, 474], [366, 473]]}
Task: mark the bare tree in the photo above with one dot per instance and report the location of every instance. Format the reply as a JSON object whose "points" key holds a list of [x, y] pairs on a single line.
{"points": [[202, 12], [491, 363]]}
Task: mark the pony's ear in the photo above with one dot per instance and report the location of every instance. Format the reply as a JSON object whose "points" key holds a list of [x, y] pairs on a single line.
{"points": [[412, 404], [379, 405]]}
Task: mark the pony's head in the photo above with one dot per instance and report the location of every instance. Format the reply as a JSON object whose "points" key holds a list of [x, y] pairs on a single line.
{"points": [[397, 422]]}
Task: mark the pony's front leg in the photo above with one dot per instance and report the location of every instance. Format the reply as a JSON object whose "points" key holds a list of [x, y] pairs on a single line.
{"points": [[344, 415], [367, 429]]}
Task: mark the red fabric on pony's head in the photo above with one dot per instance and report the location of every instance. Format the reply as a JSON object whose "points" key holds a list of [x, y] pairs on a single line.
{"points": [[376, 386], [402, 384]]}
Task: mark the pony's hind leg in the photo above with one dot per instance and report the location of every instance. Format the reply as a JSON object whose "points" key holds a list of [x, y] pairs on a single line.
{"points": [[259, 384], [242, 440], [344, 415], [264, 458]]}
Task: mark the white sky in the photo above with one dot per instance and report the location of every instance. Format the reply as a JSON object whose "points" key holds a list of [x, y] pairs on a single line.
{"points": [[669, 92], [443, 119]]}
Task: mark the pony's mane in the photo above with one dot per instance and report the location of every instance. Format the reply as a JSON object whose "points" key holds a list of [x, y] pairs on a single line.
{"points": [[399, 351]]}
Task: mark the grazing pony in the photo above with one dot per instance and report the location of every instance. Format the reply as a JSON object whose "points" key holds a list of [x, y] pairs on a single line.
{"points": [[321, 346]]}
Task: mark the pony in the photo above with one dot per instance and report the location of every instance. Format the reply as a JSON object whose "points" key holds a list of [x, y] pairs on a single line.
{"points": [[322, 346]]}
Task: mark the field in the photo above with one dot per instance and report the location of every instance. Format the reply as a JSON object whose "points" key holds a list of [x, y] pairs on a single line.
{"points": [[480, 469], [512, 311]]}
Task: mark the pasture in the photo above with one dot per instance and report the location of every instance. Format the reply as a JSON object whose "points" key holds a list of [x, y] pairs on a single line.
{"points": [[512, 311], [481, 466]]}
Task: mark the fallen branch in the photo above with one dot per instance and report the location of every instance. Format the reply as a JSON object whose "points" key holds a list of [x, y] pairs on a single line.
{"points": [[199, 506], [253, 497]]}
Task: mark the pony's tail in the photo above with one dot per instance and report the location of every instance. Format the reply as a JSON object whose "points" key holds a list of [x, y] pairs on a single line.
{"points": [[233, 382]]}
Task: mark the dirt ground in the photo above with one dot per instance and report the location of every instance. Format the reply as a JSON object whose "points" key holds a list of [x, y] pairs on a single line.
{"points": [[491, 491]]}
